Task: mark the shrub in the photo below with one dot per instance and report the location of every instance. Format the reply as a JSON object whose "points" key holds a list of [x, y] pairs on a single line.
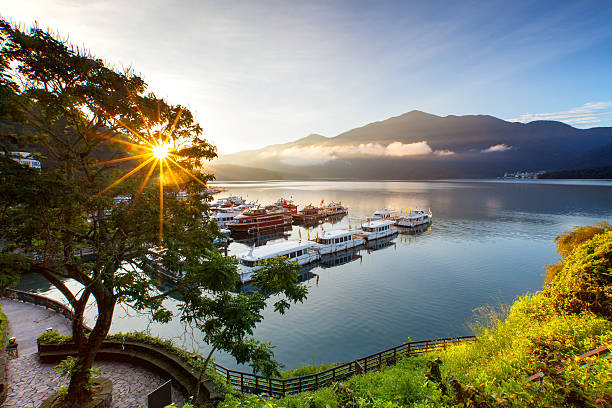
{"points": [[3, 330], [585, 281]]}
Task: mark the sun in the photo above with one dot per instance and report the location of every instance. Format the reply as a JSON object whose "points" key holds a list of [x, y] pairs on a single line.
{"points": [[155, 152], [161, 150]]}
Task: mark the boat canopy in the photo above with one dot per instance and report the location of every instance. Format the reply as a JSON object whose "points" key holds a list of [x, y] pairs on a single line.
{"points": [[274, 250], [377, 224]]}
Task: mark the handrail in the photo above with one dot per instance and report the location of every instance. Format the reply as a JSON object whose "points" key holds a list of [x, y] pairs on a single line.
{"points": [[251, 383], [279, 387]]}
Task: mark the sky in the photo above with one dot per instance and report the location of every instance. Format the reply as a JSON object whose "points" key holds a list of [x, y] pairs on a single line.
{"points": [[257, 73]]}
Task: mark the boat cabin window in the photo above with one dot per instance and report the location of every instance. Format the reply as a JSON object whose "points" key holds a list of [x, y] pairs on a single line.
{"points": [[247, 263]]}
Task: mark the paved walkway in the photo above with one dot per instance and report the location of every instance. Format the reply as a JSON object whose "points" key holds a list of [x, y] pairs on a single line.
{"points": [[30, 382]]}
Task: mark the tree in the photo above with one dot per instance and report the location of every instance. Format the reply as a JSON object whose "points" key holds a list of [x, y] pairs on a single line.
{"points": [[93, 127]]}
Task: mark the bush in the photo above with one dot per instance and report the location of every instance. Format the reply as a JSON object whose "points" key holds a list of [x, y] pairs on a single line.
{"points": [[585, 281], [3, 330]]}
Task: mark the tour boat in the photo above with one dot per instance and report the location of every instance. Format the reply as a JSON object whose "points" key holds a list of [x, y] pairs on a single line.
{"points": [[232, 201], [335, 209], [337, 240], [414, 218], [259, 219], [309, 214], [383, 214], [376, 229], [286, 204], [299, 252], [225, 216]]}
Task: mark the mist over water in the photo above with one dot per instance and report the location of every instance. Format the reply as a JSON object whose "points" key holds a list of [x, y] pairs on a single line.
{"points": [[488, 243]]}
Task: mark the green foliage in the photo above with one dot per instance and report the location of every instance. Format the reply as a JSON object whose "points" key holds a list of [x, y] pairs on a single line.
{"points": [[585, 281], [3, 330], [570, 240], [66, 369], [305, 370], [53, 337]]}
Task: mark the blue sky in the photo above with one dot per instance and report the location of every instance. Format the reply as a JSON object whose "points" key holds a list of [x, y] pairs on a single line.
{"points": [[263, 72]]}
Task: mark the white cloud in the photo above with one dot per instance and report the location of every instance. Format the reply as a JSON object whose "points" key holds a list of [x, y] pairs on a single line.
{"points": [[444, 152], [496, 148], [584, 115], [318, 154]]}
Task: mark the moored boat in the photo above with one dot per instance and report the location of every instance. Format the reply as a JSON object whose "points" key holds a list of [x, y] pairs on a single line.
{"points": [[334, 209], [414, 218], [299, 252], [338, 240], [260, 219], [286, 204], [225, 216], [376, 229], [309, 214], [383, 214]]}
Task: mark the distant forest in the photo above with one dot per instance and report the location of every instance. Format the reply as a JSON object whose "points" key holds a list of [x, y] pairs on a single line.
{"points": [[592, 173]]}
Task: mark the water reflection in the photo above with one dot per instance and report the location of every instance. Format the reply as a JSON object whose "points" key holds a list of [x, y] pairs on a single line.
{"points": [[488, 242]]}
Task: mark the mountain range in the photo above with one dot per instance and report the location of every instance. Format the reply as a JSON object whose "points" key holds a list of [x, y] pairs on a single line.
{"points": [[418, 145]]}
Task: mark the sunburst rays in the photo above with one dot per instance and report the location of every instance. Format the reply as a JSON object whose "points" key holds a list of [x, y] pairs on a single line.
{"points": [[154, 151]]}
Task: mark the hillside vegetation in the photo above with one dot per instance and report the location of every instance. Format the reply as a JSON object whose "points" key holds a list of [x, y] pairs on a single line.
{"points": [[541, 332]]}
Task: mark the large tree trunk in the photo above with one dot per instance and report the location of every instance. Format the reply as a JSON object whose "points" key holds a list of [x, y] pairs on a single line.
{"points": [[77, 389]]}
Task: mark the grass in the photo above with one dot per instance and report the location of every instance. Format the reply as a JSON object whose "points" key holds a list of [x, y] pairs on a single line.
{"points": [[3, 330]]}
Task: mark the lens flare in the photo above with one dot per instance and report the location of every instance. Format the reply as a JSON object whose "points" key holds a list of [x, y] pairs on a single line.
{"points": [[155, 153], [161, 151]]}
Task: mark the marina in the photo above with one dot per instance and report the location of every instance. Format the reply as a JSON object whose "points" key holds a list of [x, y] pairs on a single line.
{"points": [[482, 225]]}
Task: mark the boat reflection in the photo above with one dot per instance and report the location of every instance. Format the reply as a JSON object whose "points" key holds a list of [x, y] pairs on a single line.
{"points": [[414, 230], [380, 243], [340, 258], [305, 274], [263, 238]]}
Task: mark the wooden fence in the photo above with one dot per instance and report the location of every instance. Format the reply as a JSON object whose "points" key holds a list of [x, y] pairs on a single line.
{"points": [[250, 383]]}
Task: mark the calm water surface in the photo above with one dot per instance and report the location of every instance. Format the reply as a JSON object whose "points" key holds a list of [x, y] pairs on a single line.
{"points": [[487, 245]]}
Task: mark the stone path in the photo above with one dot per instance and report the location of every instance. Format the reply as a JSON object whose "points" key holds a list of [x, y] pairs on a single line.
{"points": [[30, 382]]}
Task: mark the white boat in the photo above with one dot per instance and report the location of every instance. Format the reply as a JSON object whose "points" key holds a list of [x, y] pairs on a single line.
{"points": [[376, 229], [383, 214], [225, 217], [229, 201], [334, 209], [413, 218], [336, 241], [250, 261]]}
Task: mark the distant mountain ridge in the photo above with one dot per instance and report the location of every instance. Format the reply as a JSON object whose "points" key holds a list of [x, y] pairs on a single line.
{"points": [[419, 145]]}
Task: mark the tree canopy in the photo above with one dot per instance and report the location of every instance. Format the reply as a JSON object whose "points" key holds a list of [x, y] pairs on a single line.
{"points": [[97, 132]]}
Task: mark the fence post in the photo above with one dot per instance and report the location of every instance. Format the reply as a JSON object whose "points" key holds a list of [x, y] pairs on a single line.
{"points": [[270, 386], [334, 374], [300, 385], [228, 377], [283, 382], [256, 384], [395, 356], [316, 381], [379, 361], [241, 381]]}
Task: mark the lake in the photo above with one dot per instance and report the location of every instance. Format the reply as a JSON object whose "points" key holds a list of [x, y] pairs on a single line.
{"points": [[487, 245]]}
